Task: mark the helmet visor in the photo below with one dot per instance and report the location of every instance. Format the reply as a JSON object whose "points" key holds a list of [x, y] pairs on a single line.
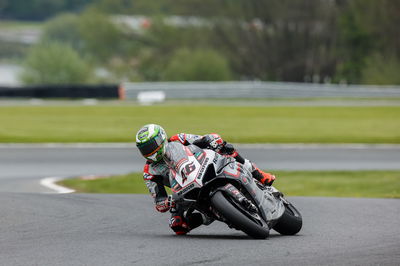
{"points": [[150, 147]]}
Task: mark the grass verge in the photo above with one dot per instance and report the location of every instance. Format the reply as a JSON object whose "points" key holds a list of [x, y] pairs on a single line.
{"points": [[368, 184], [240, 124]]}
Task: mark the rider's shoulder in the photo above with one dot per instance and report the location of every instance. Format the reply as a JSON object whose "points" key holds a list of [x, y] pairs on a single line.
{"points": [[181, 137], [155, 168], [172, 146]]}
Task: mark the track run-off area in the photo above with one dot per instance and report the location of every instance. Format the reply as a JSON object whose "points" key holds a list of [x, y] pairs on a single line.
{"points": [[41, 228]]}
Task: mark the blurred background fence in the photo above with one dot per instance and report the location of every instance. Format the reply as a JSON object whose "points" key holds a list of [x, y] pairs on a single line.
{"points": [[247, 89], [205, 90], [60, 91]]}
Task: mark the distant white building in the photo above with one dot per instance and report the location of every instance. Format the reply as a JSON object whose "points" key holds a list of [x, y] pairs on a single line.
{"points": [[9, 74]]}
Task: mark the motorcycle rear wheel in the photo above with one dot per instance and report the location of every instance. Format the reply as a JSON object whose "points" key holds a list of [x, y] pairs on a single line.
{"points": [[237, 218], [291, 221]]}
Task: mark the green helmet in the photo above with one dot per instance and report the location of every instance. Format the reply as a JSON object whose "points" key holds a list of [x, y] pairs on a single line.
{"points": [[151, 141]]}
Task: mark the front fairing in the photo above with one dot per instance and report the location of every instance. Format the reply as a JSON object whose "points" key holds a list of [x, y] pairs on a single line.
{"points": [[187, 167], [271, 208]]}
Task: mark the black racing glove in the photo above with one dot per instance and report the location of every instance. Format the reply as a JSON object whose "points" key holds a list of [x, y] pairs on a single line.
{"points": [[215, 142], [210, 141], [227, 148]]}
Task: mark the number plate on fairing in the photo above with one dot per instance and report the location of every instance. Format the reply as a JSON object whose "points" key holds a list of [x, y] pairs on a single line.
{"points": [[188, 172]]}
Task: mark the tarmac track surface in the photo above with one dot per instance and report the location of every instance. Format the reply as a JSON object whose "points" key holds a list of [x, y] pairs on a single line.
{"points": [[82, 229], [23, 166]]}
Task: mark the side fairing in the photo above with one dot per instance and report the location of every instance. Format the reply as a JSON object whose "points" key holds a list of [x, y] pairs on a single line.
{"points": [[270, 207]]}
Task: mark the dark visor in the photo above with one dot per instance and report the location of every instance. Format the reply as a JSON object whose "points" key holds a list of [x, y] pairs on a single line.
{"points": [[150, 146]]}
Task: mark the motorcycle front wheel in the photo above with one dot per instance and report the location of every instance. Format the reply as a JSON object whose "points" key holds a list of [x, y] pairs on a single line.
{"points": [[237, 218]]}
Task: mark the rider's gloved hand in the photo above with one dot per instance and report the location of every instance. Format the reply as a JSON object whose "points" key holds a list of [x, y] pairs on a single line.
{"points": [[165, 205], [214, 141], [227, 149]]}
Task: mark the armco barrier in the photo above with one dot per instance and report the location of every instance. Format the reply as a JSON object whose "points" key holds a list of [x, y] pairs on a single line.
{"points": [[190, 90], [246, 89], [61, 91]]}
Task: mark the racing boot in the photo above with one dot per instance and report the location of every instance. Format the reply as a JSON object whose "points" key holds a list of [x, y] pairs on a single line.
{"points": [[265, 178], [178, 225], [182, 225]]}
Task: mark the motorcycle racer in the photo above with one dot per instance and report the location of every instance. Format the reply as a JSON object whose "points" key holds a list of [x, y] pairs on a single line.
{"points": [[152, 142]]}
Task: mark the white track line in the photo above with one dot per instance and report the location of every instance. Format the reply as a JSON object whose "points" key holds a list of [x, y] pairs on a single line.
{"points": [[49, 182]]}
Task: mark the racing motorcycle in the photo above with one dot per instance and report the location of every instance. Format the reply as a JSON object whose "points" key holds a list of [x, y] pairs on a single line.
{"points": [[222, 189]]}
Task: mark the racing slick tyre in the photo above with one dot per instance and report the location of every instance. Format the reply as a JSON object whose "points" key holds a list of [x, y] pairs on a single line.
{"points": [[236, 217], [290, 222]]}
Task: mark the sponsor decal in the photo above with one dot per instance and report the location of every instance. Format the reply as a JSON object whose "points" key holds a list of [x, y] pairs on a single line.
{"points": [[245, 180], [181, 137], [143, 134], [202, 168], [176, 187], [200, 156], [215, 159], [186, 189]]}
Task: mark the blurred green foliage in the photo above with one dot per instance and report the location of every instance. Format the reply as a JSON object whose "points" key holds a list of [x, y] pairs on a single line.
{"points": [[54, 63], [381, 69], [102, 38], [64, 28], [369, 31], [297, 40], [204, 65]]}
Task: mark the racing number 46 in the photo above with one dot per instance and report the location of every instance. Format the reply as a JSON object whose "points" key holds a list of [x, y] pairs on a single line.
{"points": [[189, 168]]}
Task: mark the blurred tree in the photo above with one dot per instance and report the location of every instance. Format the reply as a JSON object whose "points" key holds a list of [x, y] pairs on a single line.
{"points": [[279, 40], [369, 32], [202, 65], [161, 41], [64, 29], [269, 39], [288, 40], [99, 40], [381, 70], [102, 39], [54, 63], [133, 7]]}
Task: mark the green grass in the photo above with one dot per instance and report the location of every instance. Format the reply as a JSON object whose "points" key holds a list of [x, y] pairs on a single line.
{"points": [[240, 124], [17, 24], [131, 183], [368, 184]]}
